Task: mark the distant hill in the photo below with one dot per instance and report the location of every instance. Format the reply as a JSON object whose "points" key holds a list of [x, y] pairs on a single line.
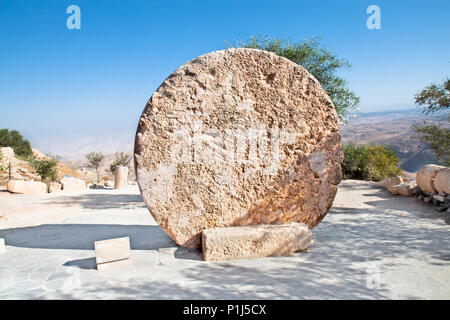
{"points": [[393, 129], [88, 173], [74, 148]]}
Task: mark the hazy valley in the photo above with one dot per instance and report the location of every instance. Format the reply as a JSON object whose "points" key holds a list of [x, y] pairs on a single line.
{"points": [[387, 128], [393, 129]]}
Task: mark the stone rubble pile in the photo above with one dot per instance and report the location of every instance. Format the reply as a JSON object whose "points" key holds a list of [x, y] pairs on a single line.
{"points": [[14, 168], [432, 185], [20, 177]]}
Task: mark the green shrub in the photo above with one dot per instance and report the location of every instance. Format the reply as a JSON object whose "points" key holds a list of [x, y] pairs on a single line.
{"points": [[356, 162], [47, 169], [371, 163], [384, 163], [14, 139]]}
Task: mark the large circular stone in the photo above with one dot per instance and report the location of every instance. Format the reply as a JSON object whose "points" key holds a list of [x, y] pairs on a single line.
{"points": [[237, 137]]}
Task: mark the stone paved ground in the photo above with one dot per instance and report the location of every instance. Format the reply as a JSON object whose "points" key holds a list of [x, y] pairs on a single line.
{"points": [[371, 245]]}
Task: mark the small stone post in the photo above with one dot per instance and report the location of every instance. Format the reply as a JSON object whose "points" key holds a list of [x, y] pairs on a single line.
{"points": [[121, 177], [10, 173]]}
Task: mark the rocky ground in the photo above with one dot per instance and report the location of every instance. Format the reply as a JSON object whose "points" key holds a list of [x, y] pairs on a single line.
{"points": [[22, 170], [371, 245]]}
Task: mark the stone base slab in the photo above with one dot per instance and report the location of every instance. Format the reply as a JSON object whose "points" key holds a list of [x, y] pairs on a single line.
{"points": [[257, 241]]}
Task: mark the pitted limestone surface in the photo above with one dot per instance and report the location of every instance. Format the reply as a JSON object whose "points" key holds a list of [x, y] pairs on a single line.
{"points": [[237, 137]]}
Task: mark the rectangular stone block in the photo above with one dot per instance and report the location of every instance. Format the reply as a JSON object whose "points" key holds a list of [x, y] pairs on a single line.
{"points": [[257, 241], [72, 184], [112, 251], [26, 187]]}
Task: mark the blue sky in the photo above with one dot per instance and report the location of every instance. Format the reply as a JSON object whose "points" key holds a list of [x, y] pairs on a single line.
{"points": [[55, 81]]}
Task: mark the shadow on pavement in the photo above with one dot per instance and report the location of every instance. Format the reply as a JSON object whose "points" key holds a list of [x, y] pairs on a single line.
{"points": [[87, 263], [82, 236], [101, 201]]}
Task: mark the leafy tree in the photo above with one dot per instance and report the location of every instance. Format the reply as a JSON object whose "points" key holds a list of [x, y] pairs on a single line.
{"points": [[47, 169], [435, 98], [5, 139], [15, 140], [438, 138], [95, 160], [320, 62], [120, 159], [371, 163]]}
